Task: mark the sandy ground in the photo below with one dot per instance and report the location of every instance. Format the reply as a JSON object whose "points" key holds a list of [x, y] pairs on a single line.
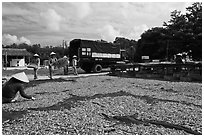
{"points": [[74, 105]]}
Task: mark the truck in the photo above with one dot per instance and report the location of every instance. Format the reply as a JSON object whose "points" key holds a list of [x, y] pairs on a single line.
{"points": [[93, 55]]}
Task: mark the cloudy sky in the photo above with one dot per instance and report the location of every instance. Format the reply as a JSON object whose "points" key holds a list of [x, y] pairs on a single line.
{"points": [[49, 23]]}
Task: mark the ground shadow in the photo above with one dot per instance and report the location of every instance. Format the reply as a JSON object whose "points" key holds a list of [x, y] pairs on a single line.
{"points": [[49, 93], [37, 82], [11, 115], [75, 100], [132, 119]]}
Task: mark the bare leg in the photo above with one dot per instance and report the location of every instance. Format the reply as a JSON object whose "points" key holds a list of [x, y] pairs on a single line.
{"points": [[75, 71], [35, 73]]}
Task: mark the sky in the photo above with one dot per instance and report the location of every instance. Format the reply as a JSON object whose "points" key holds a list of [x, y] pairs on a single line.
{"points": [[49, 23]]}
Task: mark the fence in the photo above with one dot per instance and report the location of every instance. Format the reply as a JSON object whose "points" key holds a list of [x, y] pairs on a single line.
{"points": [[191, 71]]}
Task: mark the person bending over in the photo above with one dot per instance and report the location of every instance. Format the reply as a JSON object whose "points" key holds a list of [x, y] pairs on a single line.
{"points": [[14, 85]]}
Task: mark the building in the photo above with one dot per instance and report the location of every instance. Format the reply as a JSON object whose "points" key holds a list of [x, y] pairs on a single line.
{"points": [[12, 57]]}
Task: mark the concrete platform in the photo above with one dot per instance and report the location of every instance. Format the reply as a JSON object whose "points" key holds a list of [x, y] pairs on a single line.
{"points": [[31, 77]]}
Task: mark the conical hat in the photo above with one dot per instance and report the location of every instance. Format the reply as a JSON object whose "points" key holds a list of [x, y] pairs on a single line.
{"points": [[179, 54], [52, 53], [21, 76], [36, 55]]}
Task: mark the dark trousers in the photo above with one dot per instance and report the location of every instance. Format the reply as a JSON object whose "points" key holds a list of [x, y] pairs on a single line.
{"points": [[75, 70], [9, 100], [66, 69], [50, 71], [35, 73]]}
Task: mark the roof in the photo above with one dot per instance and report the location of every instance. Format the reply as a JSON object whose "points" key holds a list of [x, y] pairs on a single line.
{"points": [[15, 52]]}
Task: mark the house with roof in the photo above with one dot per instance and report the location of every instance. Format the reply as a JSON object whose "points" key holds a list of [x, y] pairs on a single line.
{"points": [[12, 57]]}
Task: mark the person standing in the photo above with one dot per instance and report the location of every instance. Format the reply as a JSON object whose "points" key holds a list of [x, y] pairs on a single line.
{"points": [[14, 85], [52, 59], [74, 64], [66, 67], [178, 59], [37, 65]]}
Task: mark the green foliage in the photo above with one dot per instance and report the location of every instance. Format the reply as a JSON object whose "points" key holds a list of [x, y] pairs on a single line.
{"points": [[183, 32], [129, 45], [152, 41], [43, 52]]}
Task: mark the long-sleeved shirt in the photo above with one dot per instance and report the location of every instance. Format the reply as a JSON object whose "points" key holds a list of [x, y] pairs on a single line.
{"points": [[37, 62], [52, 60], [74, 62], [12, 87]]}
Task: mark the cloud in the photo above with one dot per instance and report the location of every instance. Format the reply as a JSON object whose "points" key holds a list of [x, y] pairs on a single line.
{"points": [[109, 33], [8, 39], [7, 6], [137, 31], [125, 7], [82, 9], [24, 40], [51, 20]]}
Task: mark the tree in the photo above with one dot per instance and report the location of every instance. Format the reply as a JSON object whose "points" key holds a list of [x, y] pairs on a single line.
{"points": [[153, 43], [182, 33], [188, 29], [123, 42], [130, 47], [194, 26]]}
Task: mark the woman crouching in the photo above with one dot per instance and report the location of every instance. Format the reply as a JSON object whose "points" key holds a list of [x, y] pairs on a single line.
{"points": [[14, 85]]}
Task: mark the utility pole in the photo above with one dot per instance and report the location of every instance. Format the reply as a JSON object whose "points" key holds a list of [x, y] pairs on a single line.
{"points": [[6, 60], [167, 51]]}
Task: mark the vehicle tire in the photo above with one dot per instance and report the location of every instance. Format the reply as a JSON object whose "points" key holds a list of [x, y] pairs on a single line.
{"points": [[97, 68]]}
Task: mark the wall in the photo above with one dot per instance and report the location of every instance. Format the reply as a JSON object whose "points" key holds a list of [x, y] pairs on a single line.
{"points": [[17, 62]]}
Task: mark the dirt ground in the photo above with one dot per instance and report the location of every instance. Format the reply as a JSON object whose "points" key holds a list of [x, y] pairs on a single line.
{"points": [[41, 71], [77, 106]]}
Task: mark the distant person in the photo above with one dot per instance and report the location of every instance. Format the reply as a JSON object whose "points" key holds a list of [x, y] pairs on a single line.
{"points": [[184, 54], [66, 67], [190, 55], [74, 64], [52, 59], [14, 85], [37, 65], [178, 59]]}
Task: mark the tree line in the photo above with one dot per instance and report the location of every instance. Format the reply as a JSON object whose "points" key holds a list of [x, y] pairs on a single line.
{"points": [[182, 33], [43, 52]]}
